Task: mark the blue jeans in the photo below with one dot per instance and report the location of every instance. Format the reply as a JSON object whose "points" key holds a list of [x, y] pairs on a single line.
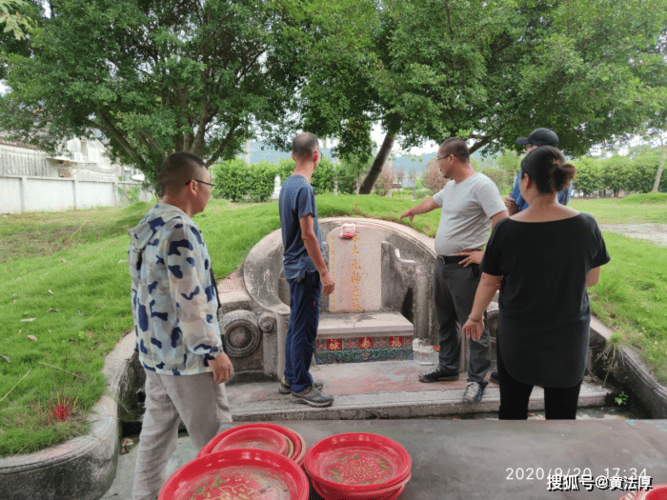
{"points": [[302, 329]]}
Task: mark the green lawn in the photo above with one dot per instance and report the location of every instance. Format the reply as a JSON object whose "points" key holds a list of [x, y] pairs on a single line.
{"points": [[633, 209], [67, 273]]}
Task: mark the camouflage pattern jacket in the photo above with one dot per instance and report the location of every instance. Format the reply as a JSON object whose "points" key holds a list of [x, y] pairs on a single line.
{"points": [[174, 301]]}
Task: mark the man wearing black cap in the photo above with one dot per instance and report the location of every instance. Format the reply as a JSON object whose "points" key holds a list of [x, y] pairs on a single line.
{"points": [[538, 137]]}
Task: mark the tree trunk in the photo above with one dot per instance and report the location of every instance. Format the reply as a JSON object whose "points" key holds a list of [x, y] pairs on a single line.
{"points": [[379, 161], [660, 167]]}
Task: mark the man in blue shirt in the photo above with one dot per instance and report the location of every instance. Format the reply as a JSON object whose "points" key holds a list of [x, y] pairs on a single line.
{"points": [[538, 137], [305, 270]]}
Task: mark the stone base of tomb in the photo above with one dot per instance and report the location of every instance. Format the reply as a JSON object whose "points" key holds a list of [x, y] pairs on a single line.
{"points": [[362, 337]]}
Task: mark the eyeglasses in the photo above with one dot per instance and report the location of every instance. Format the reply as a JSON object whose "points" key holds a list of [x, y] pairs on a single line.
{"points": [[443, 157], [200, 182]]}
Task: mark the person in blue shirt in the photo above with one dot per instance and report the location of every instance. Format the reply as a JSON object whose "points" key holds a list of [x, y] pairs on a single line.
{"points": [[305, 271], [539, 137]]}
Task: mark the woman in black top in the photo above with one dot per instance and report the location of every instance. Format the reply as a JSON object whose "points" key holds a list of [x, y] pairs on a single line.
{"points": [[545, 257]]}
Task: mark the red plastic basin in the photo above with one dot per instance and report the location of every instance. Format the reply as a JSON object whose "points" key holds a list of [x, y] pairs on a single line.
{"points": [[357, 462], [388, 493], [254, 437], [659, 492], [238, 473], [300, 447]]}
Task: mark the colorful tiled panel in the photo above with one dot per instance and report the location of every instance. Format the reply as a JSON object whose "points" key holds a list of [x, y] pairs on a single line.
{"points": [[361, 349]]}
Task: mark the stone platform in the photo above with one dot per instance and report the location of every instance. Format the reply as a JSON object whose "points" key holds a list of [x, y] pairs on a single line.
{"points": [[390, 389], [360, 337]]}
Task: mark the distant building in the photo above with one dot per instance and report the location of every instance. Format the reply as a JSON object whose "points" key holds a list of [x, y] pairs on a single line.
{"points": [[82, 160], [81, 177]]}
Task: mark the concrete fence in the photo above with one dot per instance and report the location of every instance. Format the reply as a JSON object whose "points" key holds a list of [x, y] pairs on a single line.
{"points": [[33, 194]]}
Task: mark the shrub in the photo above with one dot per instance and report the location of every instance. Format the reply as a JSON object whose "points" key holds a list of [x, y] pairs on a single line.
{"points": [[261, 180], [234, 180], [324, 177], [285, 168], [230, 178], [130, 194], [347, 182], [617, 174], [504, 179], [588, 178]]}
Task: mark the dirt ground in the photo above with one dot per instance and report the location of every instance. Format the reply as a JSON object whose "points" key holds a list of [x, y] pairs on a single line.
{"points": [[655, 233]]}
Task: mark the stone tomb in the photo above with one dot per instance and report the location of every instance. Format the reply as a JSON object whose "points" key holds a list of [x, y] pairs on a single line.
{"points": [[383, 298], [356, 328]]}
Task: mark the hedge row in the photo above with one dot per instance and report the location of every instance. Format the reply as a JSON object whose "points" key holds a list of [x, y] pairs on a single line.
{"points": [[633, 173], [236, 180]]}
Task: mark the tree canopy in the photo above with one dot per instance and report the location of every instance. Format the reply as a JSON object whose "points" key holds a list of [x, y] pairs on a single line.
{"points": [[203, 76], [491, 72], [13, 22], [155, 76]]}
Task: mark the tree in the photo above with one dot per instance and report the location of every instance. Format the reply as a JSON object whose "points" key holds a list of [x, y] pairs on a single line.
{"points": [[646, 164], [155, 77], [383, 185], [588, 177], [433, 179], [658, 136], [18, 19], [348, 172], [324, 176], [13, 21], [399, 173], [493, 71], [413, 66], [617, 174]]}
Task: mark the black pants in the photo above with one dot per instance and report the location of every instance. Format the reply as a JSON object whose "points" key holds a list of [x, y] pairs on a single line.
{"points": [[559, 404]]}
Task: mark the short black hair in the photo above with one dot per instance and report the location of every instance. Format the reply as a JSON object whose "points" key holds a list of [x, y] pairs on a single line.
{"points": [[177, 169], [457, 147], [305, 145], [546, 167]]}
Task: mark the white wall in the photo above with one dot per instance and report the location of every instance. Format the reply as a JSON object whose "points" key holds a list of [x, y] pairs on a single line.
{"points": [[34, 194]]}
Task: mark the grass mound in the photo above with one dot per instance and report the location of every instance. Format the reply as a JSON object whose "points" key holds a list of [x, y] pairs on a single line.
{"points": [[645, 198]]}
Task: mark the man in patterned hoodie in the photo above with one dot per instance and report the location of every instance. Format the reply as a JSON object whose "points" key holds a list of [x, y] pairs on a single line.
{"points": [[174, 304]]}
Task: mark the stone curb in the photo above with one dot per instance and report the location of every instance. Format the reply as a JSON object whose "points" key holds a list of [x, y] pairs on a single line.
{"points": [[82, 468], [427, 404], [630, 369]]}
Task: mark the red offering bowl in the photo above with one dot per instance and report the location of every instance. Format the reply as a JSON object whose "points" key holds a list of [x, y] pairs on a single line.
{"points": [[238, 473], [357, 462], [300, 447], [658, 492], [253, 437], [389, 493]]}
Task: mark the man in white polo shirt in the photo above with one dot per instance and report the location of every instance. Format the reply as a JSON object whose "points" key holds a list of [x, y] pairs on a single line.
{"points": [[471, 205]]}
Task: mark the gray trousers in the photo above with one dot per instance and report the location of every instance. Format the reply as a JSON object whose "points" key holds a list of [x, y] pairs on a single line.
{"points": [[454, 288], [198, 400]]}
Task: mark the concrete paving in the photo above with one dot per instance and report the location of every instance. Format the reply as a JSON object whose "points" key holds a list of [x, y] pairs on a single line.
{"points": [[452, 458], [484, 459]]}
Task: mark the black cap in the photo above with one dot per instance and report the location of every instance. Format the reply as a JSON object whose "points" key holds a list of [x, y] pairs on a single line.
{"points": [[540, 137]]}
